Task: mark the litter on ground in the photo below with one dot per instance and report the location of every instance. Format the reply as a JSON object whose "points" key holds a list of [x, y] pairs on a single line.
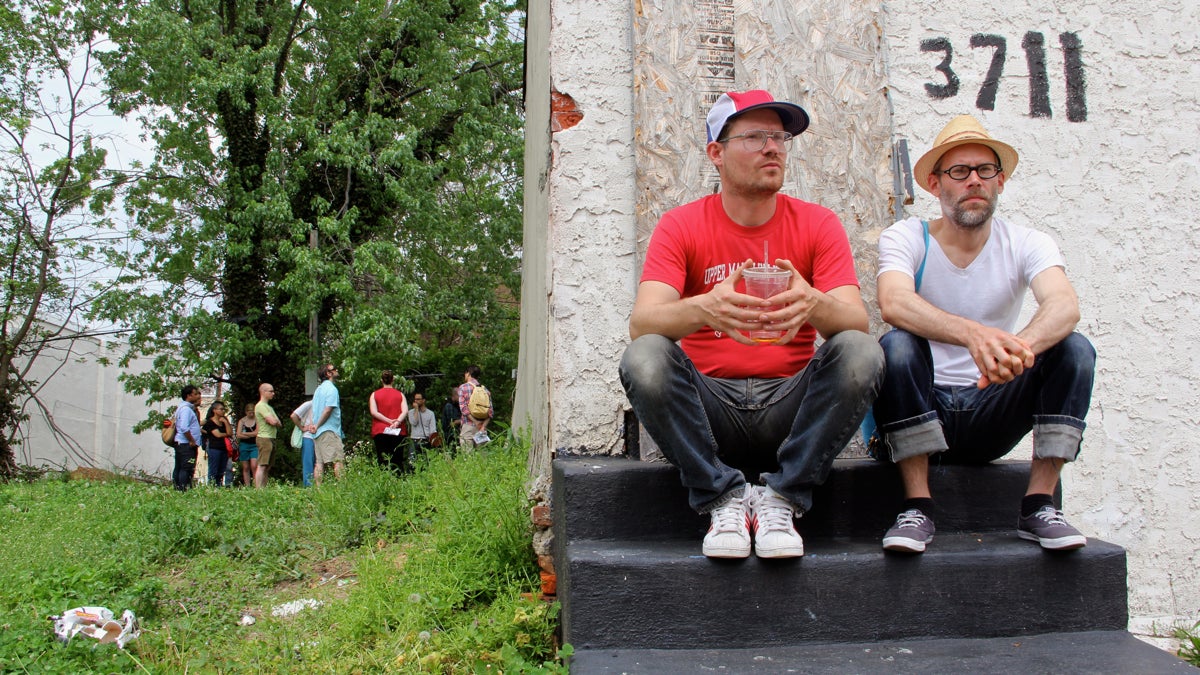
{"points": [[98, 623]]}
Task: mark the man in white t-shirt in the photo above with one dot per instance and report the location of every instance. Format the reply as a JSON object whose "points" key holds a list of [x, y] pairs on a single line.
{"points": [[302, 418], [961, 381]]}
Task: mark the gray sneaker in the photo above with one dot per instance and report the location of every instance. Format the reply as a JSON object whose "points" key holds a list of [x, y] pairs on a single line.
{"points": [[1048, 528], [912, 531]]}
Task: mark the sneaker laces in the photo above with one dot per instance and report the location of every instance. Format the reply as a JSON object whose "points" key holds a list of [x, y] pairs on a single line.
{"points": [[730, 517], [773, 512], [1050, 515], [910, 518]]}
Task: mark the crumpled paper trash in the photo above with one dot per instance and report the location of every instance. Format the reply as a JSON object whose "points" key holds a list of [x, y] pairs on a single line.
{"points": [[97, 622]]}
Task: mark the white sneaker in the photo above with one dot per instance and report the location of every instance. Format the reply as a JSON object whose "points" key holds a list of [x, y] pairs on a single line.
{"points": [[775, 533], [729, 534]]}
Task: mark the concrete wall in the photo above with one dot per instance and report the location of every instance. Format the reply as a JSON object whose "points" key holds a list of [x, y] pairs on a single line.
{"points": [[1109, 184], [94, 413], [1115, 191], [591, 226], [531, 407]]}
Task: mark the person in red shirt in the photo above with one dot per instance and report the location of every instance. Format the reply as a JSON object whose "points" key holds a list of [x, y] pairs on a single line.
{"points": [[388, 408], [721, 407]]}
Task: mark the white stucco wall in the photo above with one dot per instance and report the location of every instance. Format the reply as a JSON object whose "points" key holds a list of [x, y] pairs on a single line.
{"points": [[591, 226], [1115, 192], [1112, 190]]}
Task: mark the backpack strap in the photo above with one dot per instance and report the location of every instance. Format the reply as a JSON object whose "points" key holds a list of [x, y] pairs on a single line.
{"points": [[921, 269]]}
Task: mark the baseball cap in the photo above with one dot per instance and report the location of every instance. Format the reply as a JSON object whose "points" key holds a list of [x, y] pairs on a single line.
{"points": [[734, 103]]}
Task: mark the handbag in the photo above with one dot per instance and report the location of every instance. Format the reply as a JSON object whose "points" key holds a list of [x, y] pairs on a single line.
{"points": [[868, 428], [435, 440], [297, 438]]}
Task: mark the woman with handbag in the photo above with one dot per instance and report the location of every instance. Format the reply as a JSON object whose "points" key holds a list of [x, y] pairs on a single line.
{"points": [[218, 439]]}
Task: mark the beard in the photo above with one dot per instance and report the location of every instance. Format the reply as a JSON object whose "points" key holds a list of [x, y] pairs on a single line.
{"points": [[971, 218]]}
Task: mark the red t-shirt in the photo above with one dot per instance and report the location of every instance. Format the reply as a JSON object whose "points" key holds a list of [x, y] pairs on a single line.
{"points": [[696, 246], [389, 401]]}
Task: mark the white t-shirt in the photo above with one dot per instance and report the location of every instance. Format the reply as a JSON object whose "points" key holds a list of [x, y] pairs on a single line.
{"points": [[304, 412], [990, 290]]}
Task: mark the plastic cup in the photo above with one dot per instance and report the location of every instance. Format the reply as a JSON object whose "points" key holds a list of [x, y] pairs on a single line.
{"points": [[766, 282]]}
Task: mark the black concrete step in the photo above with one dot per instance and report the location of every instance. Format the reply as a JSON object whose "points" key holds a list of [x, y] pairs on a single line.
{"points": [[626, 499], [1059, 654], [638, 594]]}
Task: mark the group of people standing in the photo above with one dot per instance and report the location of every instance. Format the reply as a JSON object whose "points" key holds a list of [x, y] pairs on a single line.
{"points": [[249, 441], [400, 433], [753, 428]]}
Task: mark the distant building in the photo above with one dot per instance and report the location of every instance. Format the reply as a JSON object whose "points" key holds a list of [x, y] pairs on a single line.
{"points": [[88, 417]]}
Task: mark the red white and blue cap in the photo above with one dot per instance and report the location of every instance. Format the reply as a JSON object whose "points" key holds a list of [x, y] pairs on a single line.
{"points": [[734, 103]]}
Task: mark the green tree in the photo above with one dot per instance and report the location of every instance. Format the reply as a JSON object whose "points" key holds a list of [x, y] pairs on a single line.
{"points": [[54, 193], [347, 165]]}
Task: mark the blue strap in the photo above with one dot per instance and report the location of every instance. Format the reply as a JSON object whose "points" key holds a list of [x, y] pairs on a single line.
{"points": [[868, 427], [921, 269]]}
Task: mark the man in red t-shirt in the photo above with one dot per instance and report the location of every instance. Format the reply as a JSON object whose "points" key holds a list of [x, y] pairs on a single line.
{"points": [[721, 406]]}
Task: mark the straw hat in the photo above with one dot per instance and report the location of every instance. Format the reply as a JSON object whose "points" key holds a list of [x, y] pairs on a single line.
{"points": [[962, 130]]}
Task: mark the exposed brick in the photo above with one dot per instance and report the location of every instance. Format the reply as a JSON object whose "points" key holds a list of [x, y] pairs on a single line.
{"points": [[549, 584], [563, 112], [540, 515]]}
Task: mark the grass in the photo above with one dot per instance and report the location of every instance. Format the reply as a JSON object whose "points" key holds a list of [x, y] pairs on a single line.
{"points": [[430, 573]]}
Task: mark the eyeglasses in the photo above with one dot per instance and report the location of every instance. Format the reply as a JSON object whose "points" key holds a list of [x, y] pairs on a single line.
{"points": [[963, 172], [756, 139]]}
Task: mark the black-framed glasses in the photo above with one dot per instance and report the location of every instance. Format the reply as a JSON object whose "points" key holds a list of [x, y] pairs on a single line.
{"points": [[963, 171], [755, 140]]}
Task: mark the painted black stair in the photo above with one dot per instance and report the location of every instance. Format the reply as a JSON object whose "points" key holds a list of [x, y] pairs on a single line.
{"points": [[631, 577], [1084, 653]]}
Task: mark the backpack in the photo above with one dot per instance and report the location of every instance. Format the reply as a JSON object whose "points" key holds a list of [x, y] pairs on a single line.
{"points": [[479, 406], [168, 433]]}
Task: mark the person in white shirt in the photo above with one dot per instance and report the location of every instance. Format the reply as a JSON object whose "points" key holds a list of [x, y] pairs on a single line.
{"points": [[963, 382], [302, 418]]}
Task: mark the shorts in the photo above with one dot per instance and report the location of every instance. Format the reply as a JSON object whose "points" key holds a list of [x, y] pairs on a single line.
{"points": [[328, 447], [265, 447], [247, 452]]}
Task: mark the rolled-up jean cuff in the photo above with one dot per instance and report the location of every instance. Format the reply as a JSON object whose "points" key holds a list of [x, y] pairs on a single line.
{"points": [[925, 437], [739, 491], [1057, 439]]}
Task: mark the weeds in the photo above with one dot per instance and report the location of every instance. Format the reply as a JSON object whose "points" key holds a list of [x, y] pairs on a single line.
{"points": [[429, 573], [1189, 643]]}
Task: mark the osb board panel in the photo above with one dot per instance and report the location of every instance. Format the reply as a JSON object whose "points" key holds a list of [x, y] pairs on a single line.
{"points": [[825, 56]]}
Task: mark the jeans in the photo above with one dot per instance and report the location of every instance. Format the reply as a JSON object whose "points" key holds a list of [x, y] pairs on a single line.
{"points": [[308, 458], [975, 426], [415, 448], [715, 431], [218, 458], [185, 466]]}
